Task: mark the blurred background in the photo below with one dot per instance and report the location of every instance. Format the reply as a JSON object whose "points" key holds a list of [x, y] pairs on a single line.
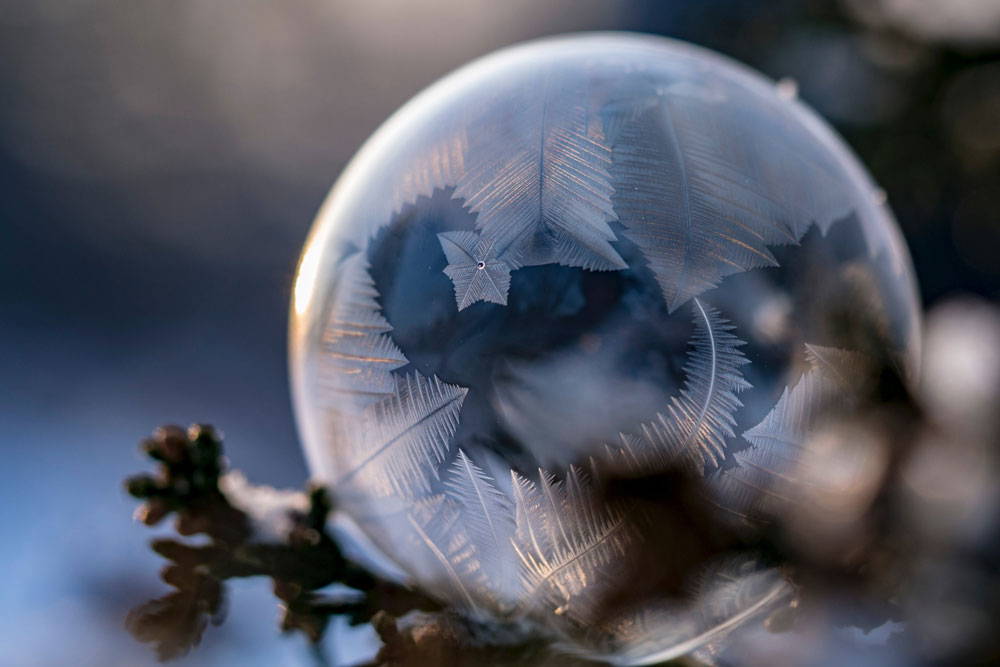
{"points": [[161, 162]]}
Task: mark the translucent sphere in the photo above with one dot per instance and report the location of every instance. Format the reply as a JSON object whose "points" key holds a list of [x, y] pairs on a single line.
{"points": [[585, 253]]}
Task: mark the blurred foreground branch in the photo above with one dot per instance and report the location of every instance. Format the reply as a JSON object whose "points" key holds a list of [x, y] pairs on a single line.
{"points": [[190, 484]]}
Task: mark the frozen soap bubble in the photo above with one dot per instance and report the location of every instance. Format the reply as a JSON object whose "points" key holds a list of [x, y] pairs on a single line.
{"points": [[586, 254]]}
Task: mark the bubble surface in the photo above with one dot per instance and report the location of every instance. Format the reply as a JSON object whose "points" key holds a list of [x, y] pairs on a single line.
{"points": [[575, 258]]}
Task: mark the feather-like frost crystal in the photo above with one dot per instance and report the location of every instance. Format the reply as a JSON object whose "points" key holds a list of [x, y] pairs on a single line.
{"points": [[582, 261]]}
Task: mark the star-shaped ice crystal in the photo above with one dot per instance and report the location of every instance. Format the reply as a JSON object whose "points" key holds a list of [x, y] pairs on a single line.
{"points": [[474, 269]]}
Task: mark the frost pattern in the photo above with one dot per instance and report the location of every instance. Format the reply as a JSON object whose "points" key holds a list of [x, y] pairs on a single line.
{"points": [[701, 196], [436, 167], [436, 163], [552, 547], [452, 561], [537, 176], [770, 469], [564, 540], [396, 445], [563, 537], [695, 425], [487, 515], [474, 269], [359, 357]]}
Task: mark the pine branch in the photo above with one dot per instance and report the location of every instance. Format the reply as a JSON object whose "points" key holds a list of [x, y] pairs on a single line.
{"points": [[188, 485]]}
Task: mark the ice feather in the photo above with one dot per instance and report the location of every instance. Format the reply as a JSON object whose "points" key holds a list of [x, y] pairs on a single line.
{"points": [[566, 542], [355, 369], [701, 195], [531, 516], [448, 556], [537, 176], [397, 444], [436, 167], [697, 422], [418, 168], [770, 470], [487, 517]]}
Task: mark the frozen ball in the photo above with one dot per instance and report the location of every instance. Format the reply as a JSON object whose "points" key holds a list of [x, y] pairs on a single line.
{"points": [[569, 259]]}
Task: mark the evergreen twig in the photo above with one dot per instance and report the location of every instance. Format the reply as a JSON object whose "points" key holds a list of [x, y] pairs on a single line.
{"points": [[187, 485]]}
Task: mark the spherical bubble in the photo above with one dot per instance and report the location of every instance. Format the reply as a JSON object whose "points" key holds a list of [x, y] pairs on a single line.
{"points": [[574, 259]]}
